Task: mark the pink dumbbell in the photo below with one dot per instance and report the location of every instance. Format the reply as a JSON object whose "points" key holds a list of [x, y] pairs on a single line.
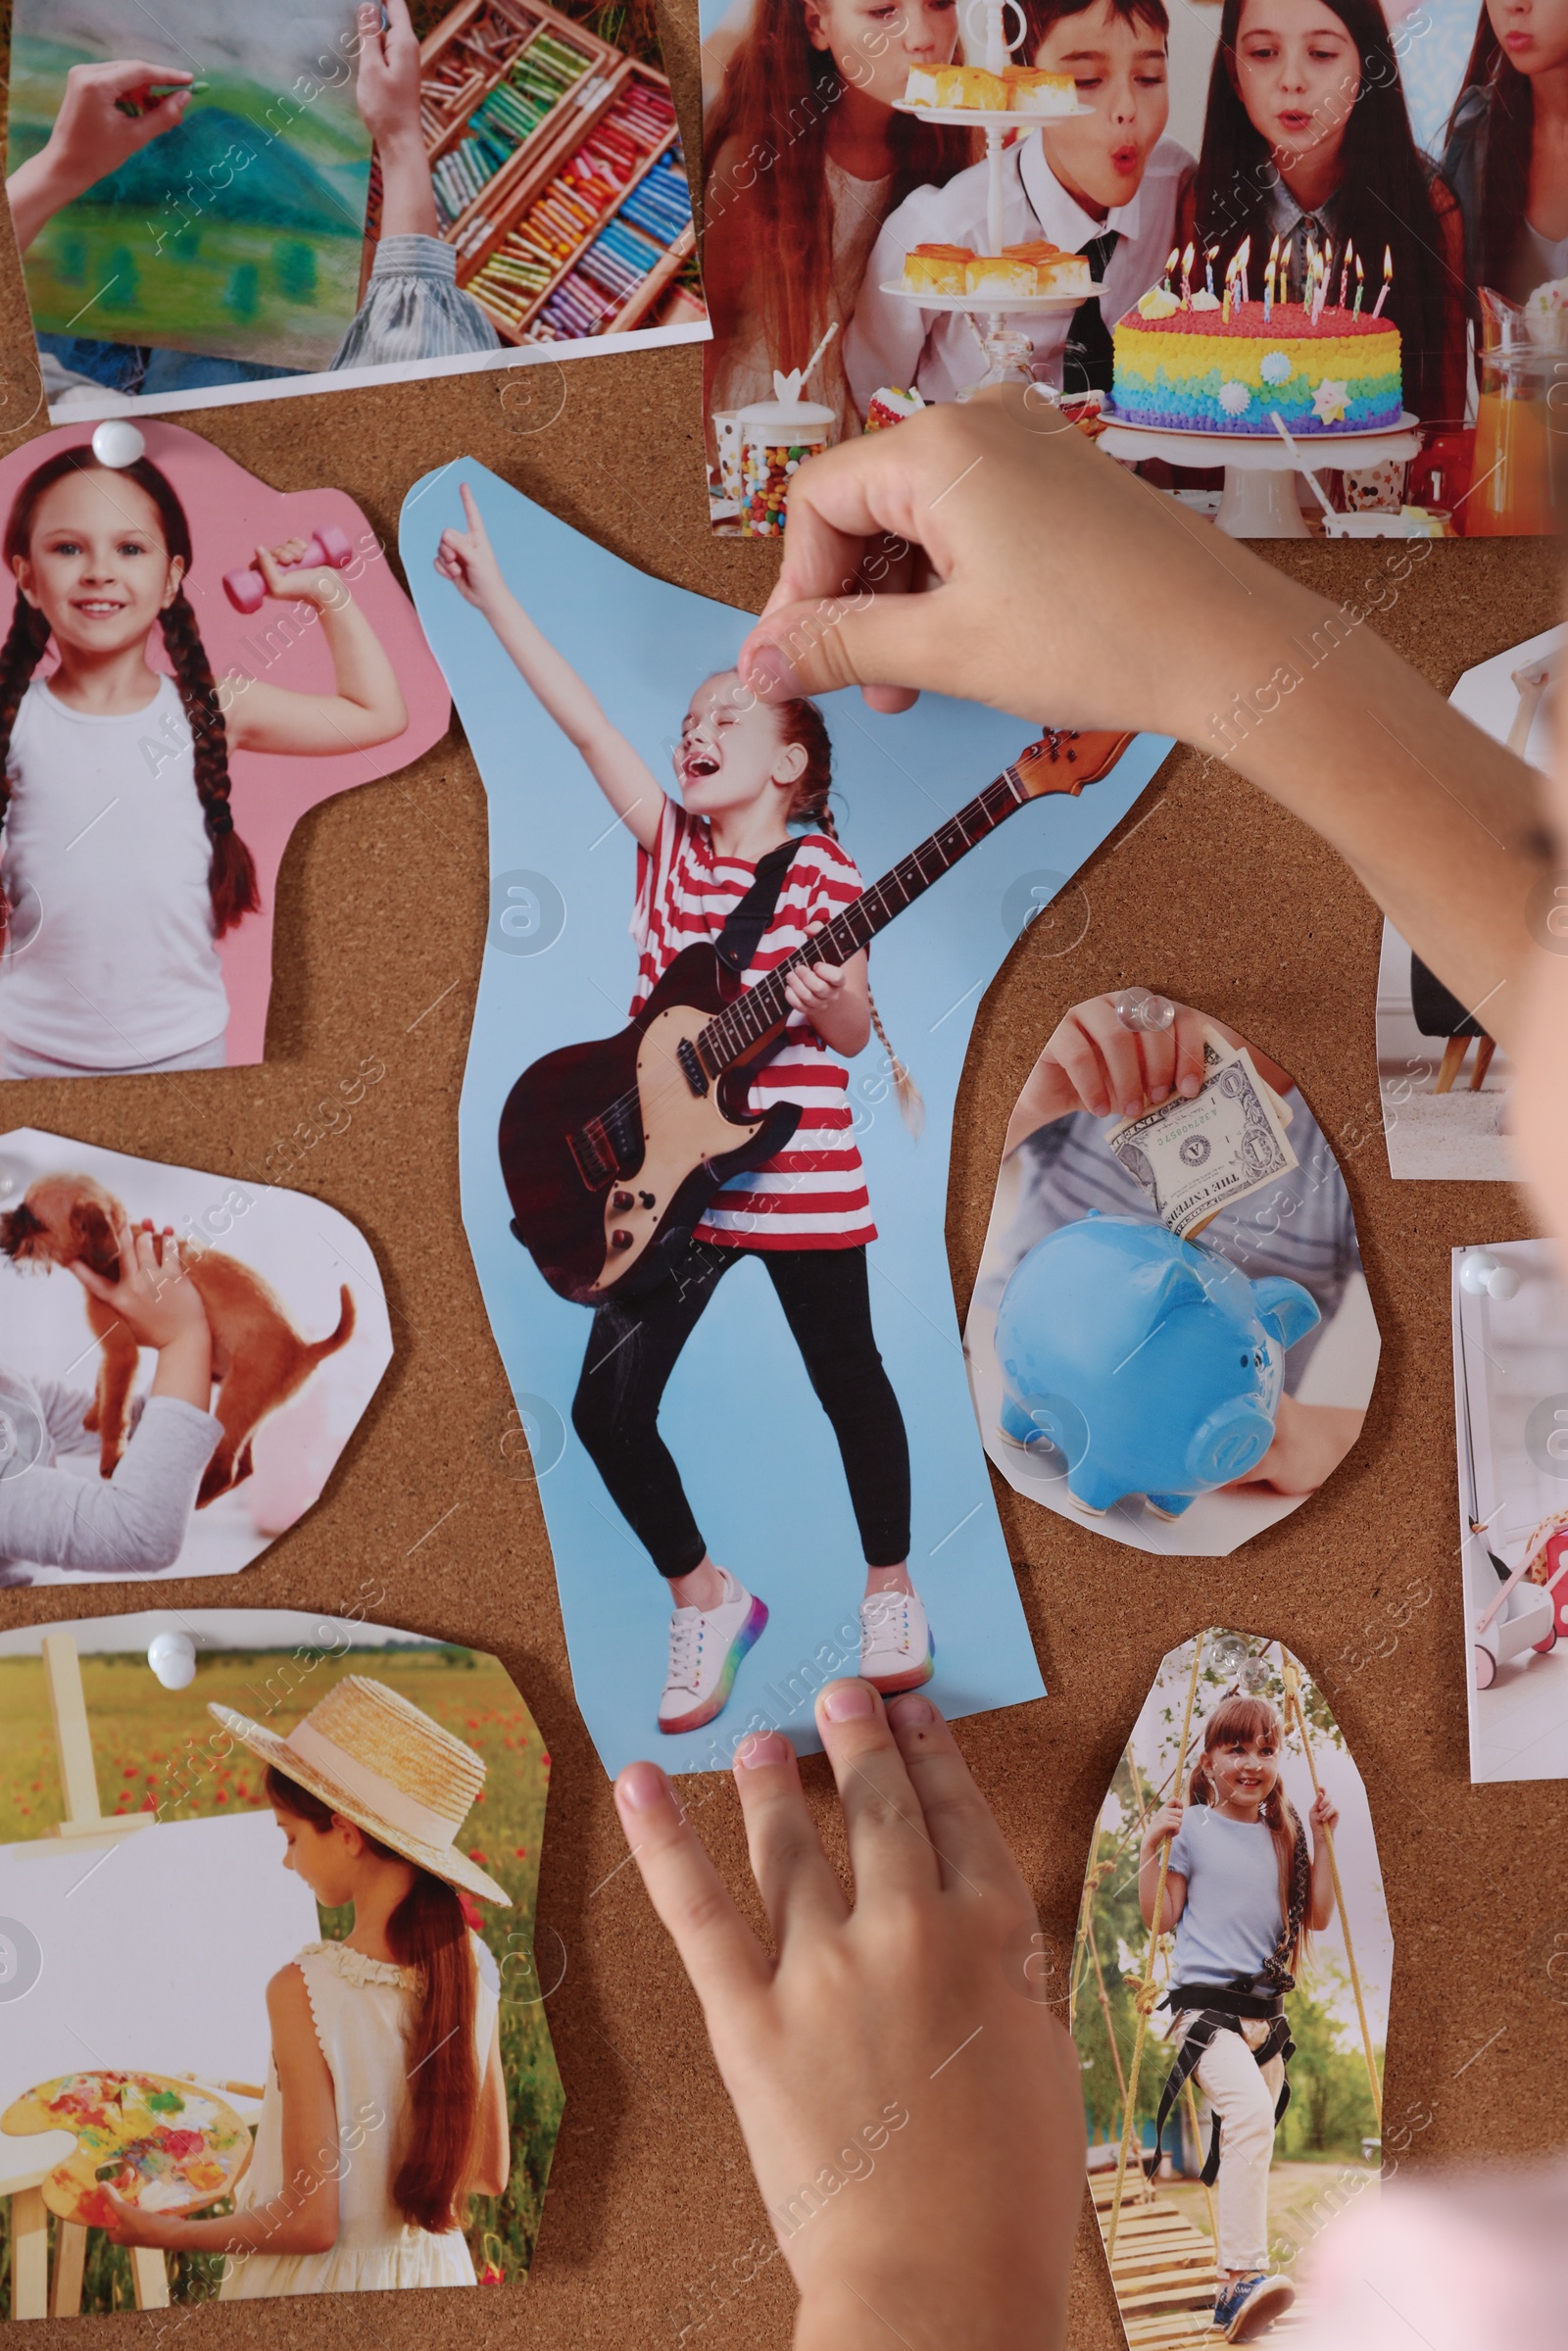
{"points": [[247, 590]]}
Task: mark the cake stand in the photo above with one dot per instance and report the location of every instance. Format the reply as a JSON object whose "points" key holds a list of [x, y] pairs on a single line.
{"points": [[1259, 499], [1009, 351]]}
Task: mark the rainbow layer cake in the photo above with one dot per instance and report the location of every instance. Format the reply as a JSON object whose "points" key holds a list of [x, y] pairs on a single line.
{"points": [[1192, 371]]}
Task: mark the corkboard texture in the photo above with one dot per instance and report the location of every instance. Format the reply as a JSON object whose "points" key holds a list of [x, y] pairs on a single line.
{"points": [[1206, 891]]}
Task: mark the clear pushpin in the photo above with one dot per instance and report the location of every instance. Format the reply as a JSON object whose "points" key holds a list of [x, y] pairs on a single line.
{"points": [[1141, 1009]]}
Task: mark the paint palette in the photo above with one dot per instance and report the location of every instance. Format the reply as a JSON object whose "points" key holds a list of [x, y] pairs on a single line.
{"points": [[161, 2143]]}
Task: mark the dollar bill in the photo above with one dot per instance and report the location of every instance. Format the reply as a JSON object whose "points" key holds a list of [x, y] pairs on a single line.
{"points": [[1192, 1159]]}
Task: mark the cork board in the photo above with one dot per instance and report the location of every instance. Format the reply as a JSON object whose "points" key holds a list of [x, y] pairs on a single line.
{"points": [[1207, 891]]}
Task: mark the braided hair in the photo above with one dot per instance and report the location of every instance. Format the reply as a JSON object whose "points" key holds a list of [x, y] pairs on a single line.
{"points": [[803, 728], [1240, 1717], [231, 874]]}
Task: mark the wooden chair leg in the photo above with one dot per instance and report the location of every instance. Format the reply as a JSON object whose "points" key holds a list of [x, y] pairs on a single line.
{"points": [[149, 2275], [1485, 1047], [29, 2254], [1453, 1054], [70, 2260]]}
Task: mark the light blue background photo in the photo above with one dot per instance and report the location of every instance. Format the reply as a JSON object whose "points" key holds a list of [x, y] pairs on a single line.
{"points": [[754, 1449]]}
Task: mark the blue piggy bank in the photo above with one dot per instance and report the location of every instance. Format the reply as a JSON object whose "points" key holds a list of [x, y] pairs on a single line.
{"points": [[1153, 1367]]}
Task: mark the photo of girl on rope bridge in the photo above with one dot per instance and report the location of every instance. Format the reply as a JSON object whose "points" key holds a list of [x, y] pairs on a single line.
{"points": [[1230, 1994]]}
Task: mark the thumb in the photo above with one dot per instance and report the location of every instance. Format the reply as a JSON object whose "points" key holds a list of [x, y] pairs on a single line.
{"points": [[91, 1280], [889, 644]]}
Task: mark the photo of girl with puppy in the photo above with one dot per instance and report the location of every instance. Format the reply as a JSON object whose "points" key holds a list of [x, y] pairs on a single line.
{"points": [[1235, 1898], [265, 1318], [764, 1398], [132, 703]]}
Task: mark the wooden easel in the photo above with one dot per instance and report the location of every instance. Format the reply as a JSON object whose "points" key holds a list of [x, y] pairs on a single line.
{"points": [[32, 2294]]}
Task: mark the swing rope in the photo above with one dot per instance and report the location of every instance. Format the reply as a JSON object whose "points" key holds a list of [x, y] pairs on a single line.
{"points": [[1293, 1707], [1146, 1997]]}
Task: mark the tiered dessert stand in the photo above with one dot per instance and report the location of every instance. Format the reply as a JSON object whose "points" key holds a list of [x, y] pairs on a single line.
{"points": [[1008, 350]]}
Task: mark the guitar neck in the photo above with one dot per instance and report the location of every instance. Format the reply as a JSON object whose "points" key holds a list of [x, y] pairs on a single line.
{"points": [[758, 1016]]}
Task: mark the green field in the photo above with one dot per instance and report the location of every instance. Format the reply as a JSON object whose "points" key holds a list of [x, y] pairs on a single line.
{"points": [[148, 1747]]}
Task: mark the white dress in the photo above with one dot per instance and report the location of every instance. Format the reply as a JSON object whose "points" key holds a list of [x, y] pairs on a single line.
{"points": [[362, 2009]]}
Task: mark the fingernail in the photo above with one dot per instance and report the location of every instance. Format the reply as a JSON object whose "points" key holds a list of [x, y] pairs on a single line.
{"points": [[1158, 1093], [770, 673], [766, 1747], [906, 1713], [848, 1702], [641, 1786], [1131, 1110], [1191, 1086]]}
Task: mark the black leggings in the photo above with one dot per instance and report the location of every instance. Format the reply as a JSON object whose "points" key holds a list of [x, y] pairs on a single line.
{"points": [[635, 1345]]}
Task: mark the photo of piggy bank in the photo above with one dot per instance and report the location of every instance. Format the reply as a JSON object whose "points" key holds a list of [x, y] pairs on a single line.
{"points": [[1153, 1365]]}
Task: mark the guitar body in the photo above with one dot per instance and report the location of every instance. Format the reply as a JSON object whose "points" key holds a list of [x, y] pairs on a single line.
{"points": [[611, 1152]]}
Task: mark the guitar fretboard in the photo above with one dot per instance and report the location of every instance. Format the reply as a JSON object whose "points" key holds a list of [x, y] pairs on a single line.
{"points": [[758, 1015]]}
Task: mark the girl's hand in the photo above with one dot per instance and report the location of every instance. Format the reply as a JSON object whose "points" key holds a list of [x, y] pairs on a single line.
{"points": [[386, 89], [321, 586], [909, 2102], [813, 988], [1092, 1063], [1311, 1440], [152, 1295], [1058, 586], [1325, 1813], [1165, 1823], [469, 560], [133, 2226]]}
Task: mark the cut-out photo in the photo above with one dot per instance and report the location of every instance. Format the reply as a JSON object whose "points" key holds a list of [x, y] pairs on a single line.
{"points": [[1171, 1339], [191, 661], [1274, 254], [1230, 1994], [216, 203], [328, 2068], [1444, 1082], [1510, 1377], [781, 1457], [182, 1361]]}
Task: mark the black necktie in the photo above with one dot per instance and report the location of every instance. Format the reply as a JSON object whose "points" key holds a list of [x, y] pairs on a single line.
{"points": [[1088, 361]]}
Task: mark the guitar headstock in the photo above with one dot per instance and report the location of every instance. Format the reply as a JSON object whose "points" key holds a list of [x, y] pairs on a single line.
{"points": [[1067, 757]]}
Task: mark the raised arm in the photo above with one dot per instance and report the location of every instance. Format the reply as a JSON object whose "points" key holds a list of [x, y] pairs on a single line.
{"points": [[468, 560], [369, 706]]}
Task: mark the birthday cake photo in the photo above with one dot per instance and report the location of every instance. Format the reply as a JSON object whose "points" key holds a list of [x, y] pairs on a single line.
{"points": [[1198, 362]]}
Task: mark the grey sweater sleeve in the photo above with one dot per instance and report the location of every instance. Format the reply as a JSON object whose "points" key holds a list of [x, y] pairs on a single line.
{"points": [[131, 1524]]}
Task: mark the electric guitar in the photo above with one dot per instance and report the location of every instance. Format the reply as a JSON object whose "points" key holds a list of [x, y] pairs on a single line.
{"points": [[611, 1151]]}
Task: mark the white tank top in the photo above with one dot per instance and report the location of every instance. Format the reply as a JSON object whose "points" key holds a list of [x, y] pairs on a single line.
{"points": [[105, 858], [363, 2009]]}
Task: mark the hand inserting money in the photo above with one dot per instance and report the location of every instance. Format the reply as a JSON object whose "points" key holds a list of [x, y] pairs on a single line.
{"points": [[1192, 1159], [1093, 1061]]}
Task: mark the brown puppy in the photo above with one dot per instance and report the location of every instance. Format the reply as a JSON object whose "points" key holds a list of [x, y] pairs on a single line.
{"points": [[259, 1358]]}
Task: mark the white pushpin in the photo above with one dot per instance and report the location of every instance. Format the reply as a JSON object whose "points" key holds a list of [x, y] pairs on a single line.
{"points": [[1475, 1274], [173, 1658], [117, 442], [1504, 1283], [1141, 1009]]}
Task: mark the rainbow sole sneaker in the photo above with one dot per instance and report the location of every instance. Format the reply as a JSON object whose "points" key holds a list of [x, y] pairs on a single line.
{"points": [[705, 1649], [897, 1651]]}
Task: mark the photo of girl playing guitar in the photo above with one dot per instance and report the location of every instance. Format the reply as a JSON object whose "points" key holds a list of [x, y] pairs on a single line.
{"points": [[747, 858]]}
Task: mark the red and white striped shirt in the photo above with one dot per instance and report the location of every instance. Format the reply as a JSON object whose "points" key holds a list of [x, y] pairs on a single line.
{"points": [[811, 1195]]}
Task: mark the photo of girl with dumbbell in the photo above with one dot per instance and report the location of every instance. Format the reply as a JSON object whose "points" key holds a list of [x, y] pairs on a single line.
{"points": [[120, 865]]}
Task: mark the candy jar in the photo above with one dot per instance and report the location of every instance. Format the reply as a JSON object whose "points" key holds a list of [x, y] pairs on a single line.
{"points": [[775, 436]]}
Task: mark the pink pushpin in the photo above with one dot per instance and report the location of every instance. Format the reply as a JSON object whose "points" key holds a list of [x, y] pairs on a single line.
{"points": [[247, 590]]}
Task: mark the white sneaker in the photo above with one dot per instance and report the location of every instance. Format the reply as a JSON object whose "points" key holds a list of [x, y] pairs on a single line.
{"points": [[897, 1651], [705, 1649]]}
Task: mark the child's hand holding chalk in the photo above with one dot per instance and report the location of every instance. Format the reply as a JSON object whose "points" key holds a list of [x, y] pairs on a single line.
{"points": [[94, 133]]}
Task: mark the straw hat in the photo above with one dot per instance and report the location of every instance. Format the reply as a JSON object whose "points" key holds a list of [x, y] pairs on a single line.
{"points": [[387, 1768]]}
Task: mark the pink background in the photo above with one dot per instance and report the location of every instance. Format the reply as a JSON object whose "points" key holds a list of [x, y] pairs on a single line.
{"points": [[230, 512]]}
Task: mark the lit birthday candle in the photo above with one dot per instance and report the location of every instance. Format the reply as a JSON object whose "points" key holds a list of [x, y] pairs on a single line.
{"points": [[1244, 256], [1269, 278], [1186, 278], [1360, 286], [1171, 258], [1230, 280], [1344, 269], [1328, 278], [1388, 280], [1208, 268]]}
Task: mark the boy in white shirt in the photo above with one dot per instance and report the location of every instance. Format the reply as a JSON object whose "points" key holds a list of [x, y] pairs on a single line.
{"points": [[1110, 175]]}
